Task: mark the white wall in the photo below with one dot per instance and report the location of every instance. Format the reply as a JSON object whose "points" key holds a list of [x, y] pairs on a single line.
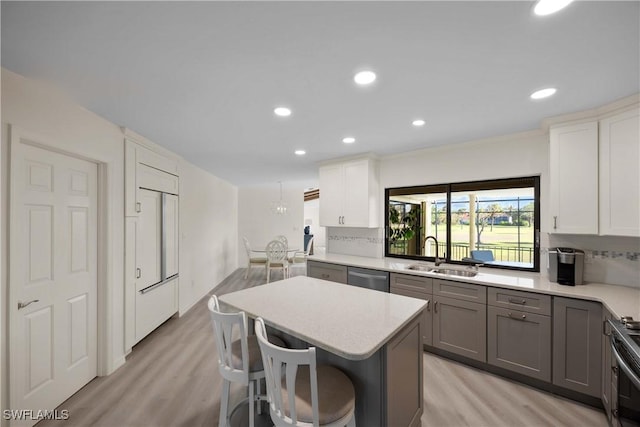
{"points": [[257, 223], [208, 209], [61, 124], [208, 226]]}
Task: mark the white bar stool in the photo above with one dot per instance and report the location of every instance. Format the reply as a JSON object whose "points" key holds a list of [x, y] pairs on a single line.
{"points": [[301, 393]]}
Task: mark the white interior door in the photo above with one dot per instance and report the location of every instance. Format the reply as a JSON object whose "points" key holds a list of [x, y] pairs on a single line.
{"points": [[52, 278]]}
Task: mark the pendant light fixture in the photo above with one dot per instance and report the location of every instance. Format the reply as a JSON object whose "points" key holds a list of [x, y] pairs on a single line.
{"points": [[279, 207]]}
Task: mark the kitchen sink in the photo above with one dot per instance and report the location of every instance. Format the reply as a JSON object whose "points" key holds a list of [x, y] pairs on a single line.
{"points": [[450, 271], [420, 267], [463, 273]]}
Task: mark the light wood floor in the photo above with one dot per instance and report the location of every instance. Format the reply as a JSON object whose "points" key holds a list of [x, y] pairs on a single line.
{"points": [[171, 379]]}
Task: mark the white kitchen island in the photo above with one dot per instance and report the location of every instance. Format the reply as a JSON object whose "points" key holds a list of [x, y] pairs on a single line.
{"points": [[374, 337]]}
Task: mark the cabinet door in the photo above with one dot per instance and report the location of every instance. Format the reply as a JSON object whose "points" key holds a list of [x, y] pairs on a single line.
{"points": [[326, 271], [620, 174], [331, 195], [427, 314], [573, 177], [417, 287], [170, 235], [460, 327], [149, 239], [520, 342], [356, 194], [577, 341]]}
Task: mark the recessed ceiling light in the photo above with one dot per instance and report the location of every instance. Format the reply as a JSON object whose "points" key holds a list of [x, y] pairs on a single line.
{"points": [[547, 7], [300, 152], [543, 93], [418, 122], [364, 77], [349, 140], [282, 111]]}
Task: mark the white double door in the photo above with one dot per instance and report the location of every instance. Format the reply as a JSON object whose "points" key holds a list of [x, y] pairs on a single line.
{"points": [[53, 277]]}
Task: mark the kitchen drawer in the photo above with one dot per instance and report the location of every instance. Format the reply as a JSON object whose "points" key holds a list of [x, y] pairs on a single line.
{"points": [[326, 271], [412, 283], [518, 300], [459, 290]]}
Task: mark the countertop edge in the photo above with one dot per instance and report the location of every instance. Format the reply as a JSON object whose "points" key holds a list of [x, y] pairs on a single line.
{"points": [[590, 291]]}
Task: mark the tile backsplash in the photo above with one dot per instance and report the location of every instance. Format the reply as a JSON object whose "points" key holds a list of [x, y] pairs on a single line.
{"points": [[366, 242], [607, 259]]}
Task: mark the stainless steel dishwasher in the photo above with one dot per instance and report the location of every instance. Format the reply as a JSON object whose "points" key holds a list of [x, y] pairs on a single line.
{"points": [[370, 279]]}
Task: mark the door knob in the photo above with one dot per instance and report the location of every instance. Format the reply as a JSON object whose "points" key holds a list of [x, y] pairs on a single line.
{"points": [[22, 305]]}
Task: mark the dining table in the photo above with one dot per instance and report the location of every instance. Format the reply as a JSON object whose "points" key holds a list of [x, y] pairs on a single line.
{"points": [[374, 337]]}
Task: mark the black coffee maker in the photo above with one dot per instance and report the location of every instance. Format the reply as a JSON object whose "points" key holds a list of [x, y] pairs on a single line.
{"points": [[566, 266]]}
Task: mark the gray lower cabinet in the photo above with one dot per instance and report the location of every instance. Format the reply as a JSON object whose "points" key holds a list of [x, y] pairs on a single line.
{"points": [[519, 332], [460, 327], [607, 364], [519, 341], [405, 401], [577, 345], [327, 271], [421, 288]]}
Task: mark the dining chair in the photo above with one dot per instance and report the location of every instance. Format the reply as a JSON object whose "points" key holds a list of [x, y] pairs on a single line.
{"points": [[284, 240], [253, 258], [277, 258], [302, 393], [300, 257], [482, 255]]}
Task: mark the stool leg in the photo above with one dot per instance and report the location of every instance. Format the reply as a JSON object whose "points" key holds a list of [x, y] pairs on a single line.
{"points": [[252, 404], [259, 392], [224, 404]]}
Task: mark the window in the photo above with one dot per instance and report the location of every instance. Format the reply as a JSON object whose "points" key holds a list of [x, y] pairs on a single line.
{"points": [[494, 222]]}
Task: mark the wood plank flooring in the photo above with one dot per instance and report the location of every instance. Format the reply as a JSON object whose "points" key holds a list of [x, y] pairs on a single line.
{"points": [[171, 379]]}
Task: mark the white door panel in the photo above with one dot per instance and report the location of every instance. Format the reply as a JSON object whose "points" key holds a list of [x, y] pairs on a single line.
{"points": [[149, 239], [53, 259], [171, 238]]}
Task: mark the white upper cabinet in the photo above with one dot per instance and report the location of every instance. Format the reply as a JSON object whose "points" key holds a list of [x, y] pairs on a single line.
{"points": [[349, 194], [574, 178], [595, 176], [620, 174]]}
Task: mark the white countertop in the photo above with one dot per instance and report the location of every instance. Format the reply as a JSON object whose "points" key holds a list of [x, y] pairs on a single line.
{"points": [[620, 300], [349, 321]]}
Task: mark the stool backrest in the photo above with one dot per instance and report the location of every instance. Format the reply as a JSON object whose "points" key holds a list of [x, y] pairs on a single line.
{"points": [[225, 325], [281, 366]]}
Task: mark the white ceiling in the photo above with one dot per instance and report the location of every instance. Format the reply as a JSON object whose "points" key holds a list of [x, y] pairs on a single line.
{"points": [[202, 78]]}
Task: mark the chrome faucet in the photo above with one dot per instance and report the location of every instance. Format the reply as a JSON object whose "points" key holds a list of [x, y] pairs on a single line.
{"points": [[424, 244]]}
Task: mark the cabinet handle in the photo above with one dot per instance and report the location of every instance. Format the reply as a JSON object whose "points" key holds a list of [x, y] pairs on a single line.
{"points": [[435, 306], [555, 222], [22, 305], [138, 273], [138, 207], [614, 413], [614, 369], [524, 316], [604, 329], [516, 301], [325, 276], [428, 304]]}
